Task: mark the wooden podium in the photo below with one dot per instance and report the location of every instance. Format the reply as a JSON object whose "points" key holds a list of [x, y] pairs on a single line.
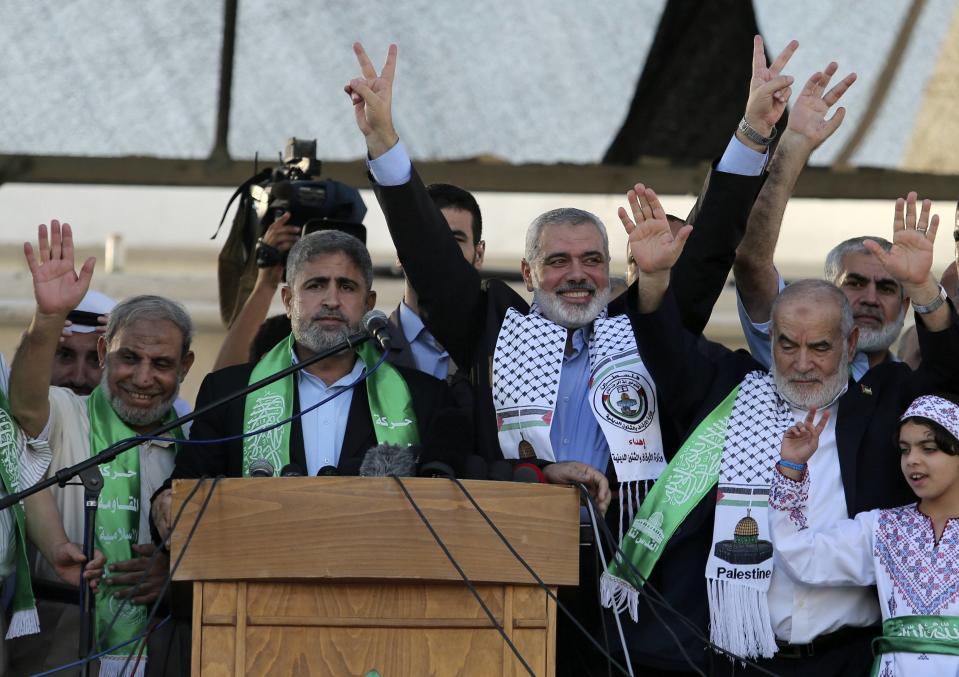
{"points": [[338, 576]]}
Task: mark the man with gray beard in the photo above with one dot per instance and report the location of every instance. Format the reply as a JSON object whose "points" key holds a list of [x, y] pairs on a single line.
{"points": [[713, 534], [329, 277], [145, 354]]}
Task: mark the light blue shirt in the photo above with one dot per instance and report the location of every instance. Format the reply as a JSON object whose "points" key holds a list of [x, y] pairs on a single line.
{"points": [[761, 344], [575, 435], [394, 168], [325, 426], [428, 355]]}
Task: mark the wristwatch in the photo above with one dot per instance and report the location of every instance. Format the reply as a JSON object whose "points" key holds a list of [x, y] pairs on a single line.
{"points": [[267, 256], [755, 136], [932, 305]]}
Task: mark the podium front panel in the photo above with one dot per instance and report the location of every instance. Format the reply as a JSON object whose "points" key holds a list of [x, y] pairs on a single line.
{"points": [[358, 528]]}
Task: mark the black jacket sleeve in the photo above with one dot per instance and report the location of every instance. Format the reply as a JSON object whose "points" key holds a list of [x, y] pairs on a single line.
{"points": [[447, 285], [719, 221]]}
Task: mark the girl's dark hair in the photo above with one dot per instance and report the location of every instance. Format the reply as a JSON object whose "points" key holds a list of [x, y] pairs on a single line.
{"points": [[944, 439]]}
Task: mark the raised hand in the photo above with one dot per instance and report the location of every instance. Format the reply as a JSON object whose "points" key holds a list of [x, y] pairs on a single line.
{"points": [[57, 287], [651, 242], [769, 90], [808, 115], [910, 259], [801, 440], [372, 97]]}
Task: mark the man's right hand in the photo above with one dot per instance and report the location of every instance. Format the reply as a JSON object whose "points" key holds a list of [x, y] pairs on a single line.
{"points": [[57, 287], [573, 472], [160, 513], [372, 97]]}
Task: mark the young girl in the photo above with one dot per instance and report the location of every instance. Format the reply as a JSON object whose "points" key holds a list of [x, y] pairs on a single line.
{"points": [[911, 554]]}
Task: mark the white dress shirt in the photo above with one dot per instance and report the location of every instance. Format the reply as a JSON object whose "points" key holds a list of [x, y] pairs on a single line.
{"points": [[801, 612]]}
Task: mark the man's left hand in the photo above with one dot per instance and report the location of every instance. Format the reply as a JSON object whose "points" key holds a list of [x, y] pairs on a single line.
{"points": [[130, 572], [571, 472]]}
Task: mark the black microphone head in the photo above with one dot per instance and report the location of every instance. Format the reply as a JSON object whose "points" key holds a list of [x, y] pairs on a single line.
{"points": [[260, 467], [384, 460], [436, 469], [292, 470], [475, 468], [328, 471], [376, 325], [501, 471]]}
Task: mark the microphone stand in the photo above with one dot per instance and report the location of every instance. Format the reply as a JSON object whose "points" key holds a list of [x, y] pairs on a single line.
{"points": [[92, 479]]}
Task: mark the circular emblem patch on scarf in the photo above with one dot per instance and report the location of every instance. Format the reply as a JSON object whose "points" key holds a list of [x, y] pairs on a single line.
{"points": [[623, 399]]}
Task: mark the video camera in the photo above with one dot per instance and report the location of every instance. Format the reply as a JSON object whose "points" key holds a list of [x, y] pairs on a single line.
{"points": [[313, 204]]}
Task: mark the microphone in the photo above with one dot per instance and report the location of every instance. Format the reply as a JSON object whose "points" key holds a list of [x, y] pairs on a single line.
{"points": [[475, 468], [377, 326], [501, 471], [292, 470], [261, 468], [527, 472], [327, 471], [436, 469], [384, 460]]}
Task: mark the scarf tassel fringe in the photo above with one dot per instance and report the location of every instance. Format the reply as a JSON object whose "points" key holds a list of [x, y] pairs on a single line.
{"points": [[110, 666], [739, 620], [24, 622], [618, 595]]}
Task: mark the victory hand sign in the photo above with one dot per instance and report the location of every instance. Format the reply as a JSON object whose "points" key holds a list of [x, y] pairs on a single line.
{"points": [[801, 441], [769, 91], [372, 97]]}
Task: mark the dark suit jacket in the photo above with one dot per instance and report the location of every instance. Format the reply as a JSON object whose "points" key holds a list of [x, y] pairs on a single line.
{"points": [[401, 354], [430, 400], [465, 314], [691, 382]]}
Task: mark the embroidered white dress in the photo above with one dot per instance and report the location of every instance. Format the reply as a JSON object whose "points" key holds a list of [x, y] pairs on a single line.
{"points": [[894, 549]]}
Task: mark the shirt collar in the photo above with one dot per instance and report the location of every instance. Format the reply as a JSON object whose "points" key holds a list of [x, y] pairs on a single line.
{"points": [[344, 380], [410, 323]]}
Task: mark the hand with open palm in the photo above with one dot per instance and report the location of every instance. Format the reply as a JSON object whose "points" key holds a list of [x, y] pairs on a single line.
{"points": [[57, 287], [651, 242], [910, 259]]}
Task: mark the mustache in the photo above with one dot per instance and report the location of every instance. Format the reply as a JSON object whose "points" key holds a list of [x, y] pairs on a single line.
{"points": [[869, 312], [575, 286], [329, 315]]}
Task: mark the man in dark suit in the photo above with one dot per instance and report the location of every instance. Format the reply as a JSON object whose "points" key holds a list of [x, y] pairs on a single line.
{"points": [[822, 631], [413, 345], [534, 401], [466, 315], [328, 290]]}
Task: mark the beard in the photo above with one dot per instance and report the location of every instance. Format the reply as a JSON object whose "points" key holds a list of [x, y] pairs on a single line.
{"points": [[807, 397], [877, 340], [137, 416], [316, 338], [571, 316]]}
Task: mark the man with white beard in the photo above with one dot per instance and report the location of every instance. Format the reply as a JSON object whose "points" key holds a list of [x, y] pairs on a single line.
{"points": [[878, 302], [704, 542], [145, 355]]}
